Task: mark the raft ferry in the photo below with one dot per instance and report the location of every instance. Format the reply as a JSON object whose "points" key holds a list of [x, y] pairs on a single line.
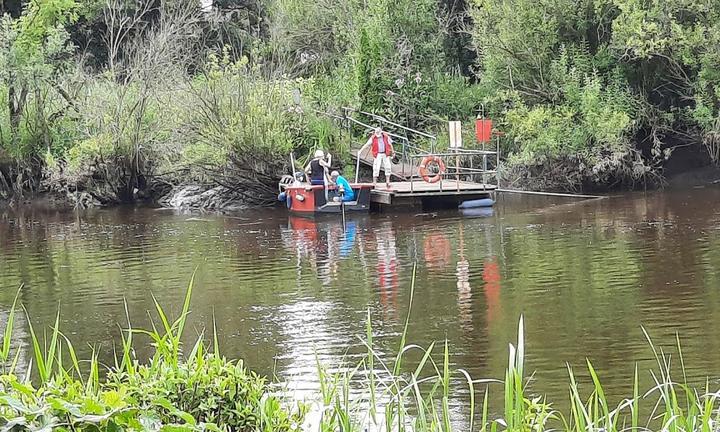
{"points": [[303, 198]]}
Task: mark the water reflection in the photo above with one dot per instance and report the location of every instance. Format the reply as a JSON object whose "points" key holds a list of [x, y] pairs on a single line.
{"points": [[586, 276], [491, 279], [387, 269], [464, 287]]}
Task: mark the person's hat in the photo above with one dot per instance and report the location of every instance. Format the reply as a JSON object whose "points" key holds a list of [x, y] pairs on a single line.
{"points": [[334, 174], [319, 154]]}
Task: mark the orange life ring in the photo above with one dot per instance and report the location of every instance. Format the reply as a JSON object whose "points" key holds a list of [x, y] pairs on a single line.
{"points": [[425, 174]]}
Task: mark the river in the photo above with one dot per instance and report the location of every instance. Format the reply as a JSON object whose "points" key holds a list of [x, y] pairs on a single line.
{"points": [[587, 276]]}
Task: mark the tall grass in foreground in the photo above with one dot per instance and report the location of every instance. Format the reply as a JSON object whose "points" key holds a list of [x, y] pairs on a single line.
{"points": [[194, 388], [177, 390], [389, 397]]}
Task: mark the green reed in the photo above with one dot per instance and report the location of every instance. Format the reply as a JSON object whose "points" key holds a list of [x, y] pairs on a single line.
{"points": [[178, 389], [192, 388], [418, 399]]}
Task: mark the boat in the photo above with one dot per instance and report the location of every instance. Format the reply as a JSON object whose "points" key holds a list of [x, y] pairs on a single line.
{"points": [[306, 199]]}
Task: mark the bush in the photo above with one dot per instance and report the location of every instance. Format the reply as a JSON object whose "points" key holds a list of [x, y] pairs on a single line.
{"points": [[210, 389], [199, 391], [584, 135]]}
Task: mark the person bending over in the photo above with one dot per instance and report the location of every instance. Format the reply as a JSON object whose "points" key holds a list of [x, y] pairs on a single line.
{"points": [[344, 189]]}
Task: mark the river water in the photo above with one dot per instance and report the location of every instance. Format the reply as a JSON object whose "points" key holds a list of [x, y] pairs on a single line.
{"points": [[586, 276]]}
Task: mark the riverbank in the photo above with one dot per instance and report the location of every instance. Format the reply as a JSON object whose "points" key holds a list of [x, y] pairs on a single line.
{"points": [[223, 199], [50, 201], [117, 116], [189, 197]]}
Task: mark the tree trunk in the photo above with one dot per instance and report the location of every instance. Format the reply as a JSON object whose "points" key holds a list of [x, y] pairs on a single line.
{"points": [[16, 105]]}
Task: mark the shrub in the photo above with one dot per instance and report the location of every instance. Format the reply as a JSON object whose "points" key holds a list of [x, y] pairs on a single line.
{"points": [[208, 388], [173, 392]]}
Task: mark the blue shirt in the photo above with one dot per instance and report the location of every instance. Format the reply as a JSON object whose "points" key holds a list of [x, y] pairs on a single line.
{"points": [[349, 194]]}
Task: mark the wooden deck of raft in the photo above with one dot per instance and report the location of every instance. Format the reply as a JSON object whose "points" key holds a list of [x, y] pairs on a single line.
{"points": [[410, 192]]}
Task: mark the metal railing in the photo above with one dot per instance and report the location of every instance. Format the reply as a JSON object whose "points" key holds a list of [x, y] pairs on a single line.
{"points": [[384, 121], [463, 166], [406, 149], [466, 166]]}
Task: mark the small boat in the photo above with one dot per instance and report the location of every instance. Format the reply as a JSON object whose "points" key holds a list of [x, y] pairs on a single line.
{"points": [[305, 199]]}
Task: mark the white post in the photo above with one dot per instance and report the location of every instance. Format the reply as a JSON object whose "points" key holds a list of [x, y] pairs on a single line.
{"points": [[455, 135], [455, 144]]}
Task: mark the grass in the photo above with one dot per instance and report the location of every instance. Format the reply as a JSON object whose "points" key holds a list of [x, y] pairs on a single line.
{"points": [[179, 389], [413, 402], [417, 399], [194, 388]]}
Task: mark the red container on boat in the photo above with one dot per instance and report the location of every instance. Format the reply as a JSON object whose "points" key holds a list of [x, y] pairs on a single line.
{"points": [[483, 130]]}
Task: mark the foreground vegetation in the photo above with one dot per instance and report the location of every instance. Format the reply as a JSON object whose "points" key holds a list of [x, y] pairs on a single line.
{"points": [[176, 390], [394, 397], [118, 100], [194, 388]]}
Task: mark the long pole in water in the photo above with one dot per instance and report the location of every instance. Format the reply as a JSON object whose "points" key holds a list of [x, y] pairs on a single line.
{"points": [[342, 208]]}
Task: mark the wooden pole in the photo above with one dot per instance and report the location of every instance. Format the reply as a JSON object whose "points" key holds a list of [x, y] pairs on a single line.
{"points": [[357, 166], [342, 207]]}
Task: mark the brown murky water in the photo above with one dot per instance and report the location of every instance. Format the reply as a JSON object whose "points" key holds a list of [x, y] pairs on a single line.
{"points": [[587, 277]]}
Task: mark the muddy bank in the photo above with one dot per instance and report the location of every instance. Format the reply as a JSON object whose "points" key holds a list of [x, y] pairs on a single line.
{"points": [[188, 197], [695, 178], [42, 201], [223, 198]]}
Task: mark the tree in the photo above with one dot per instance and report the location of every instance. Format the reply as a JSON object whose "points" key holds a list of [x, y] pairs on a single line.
{"points": [[34, 54]]}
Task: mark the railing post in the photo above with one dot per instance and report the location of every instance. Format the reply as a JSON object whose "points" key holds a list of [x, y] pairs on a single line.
{"points": [[485, 168], [357, 167], [473, 175], [404, 157], [497, 163], [412, 183], [457, 170]]}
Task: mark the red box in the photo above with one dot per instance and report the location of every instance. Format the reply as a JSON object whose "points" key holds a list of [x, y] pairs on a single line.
{"points": [[483, 130]]}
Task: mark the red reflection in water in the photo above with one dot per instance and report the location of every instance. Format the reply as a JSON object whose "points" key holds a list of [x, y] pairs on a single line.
{"points": [[437, 251], [491, 277], [304, 233]]}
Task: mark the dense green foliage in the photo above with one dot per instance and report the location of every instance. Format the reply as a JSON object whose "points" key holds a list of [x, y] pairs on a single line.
{"points": [[633, 78], [177, 390], [124, 99]]}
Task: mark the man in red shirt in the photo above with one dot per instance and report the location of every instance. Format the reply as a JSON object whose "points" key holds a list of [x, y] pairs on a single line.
{"points": [[382, 150]]}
